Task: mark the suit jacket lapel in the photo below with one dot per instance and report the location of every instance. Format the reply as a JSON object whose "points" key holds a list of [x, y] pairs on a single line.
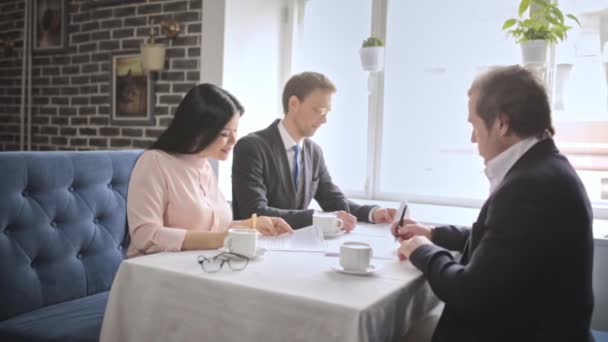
{"points": [[307, 171], [544, 147], [479, 226], [477, 231], [278, 150], [534, 153]]}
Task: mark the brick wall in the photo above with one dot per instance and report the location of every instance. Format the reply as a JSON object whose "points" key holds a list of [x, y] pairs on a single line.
{"points": [[71, 89]]}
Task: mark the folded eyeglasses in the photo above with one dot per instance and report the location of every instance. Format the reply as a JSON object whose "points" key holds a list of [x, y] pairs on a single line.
{"points": [[236, 262]]}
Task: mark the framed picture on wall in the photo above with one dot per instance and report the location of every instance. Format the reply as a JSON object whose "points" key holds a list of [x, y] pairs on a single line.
{"points": [[49, 25], [131, 95]]}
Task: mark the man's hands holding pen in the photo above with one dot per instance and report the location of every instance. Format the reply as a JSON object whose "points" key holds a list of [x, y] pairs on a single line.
{"points": [[412, 235], [410, 228]]}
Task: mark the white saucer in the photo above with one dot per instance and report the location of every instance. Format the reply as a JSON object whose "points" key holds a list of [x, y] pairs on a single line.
{"points": [[337, 267], [258, 253], [333, 235]]}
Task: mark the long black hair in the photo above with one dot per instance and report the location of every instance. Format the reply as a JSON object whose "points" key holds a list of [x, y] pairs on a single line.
{"points": [[198, 120]]}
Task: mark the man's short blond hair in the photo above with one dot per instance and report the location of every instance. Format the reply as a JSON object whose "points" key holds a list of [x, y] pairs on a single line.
{"points": [[301, 85]]}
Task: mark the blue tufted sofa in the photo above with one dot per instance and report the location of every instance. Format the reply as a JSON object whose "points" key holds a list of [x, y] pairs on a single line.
{"points": [[63, 233]]}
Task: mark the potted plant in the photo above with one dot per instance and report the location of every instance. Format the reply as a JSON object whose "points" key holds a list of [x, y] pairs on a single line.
{"points": [[545, 24], [153, 53], [372, 54]]}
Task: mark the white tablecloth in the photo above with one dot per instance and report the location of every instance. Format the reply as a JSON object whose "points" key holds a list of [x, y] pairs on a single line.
{"points": [[282, 296]]}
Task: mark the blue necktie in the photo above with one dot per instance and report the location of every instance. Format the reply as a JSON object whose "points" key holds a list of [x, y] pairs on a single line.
{"points": [[296, 165]]}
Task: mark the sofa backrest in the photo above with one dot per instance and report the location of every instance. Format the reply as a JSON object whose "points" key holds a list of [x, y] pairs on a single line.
{"points": [[63, 225]]}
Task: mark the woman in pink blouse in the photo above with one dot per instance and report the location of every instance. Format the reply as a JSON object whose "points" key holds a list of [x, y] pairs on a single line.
{"points": [[173, 200]]}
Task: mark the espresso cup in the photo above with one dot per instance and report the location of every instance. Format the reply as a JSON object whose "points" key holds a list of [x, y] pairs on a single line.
{"points": [[355, 256], [242, 241], [329, 222]]}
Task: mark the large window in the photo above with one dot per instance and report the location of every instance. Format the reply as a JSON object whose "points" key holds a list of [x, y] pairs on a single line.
{"points": [[427, 153], [434, 49], [580, 98], [402, 133], [328, 42], [254, 39]]}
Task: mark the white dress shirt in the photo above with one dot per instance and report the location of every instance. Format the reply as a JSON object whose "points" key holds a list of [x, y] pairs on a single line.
{"points": [[289, 143], [497, 168]]}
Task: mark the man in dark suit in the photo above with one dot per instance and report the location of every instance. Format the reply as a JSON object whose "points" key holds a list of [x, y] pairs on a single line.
{"points": [[526, 264], [278, 171]]}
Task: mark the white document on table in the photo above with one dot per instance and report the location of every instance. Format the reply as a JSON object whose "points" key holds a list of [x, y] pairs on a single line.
{"points": [[309, 239]]}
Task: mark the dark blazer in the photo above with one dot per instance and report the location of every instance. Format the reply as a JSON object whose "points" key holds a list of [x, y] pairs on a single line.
{"points": [[525, 270], [262, 184]]}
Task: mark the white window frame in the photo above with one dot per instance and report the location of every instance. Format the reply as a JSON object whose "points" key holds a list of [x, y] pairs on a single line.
{"points": [[375, 130], [293, 11], [375, 127]]}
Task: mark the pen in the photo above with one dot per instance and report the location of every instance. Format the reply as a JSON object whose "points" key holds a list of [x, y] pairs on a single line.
{"points": [[400, 222], [254, 217]]}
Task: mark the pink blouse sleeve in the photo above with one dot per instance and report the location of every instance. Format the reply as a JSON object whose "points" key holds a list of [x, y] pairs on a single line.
{"points": [[146, 205]]}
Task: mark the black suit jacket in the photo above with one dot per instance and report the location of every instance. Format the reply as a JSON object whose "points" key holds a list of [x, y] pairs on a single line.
{"points": [[526, 264], [262, 184]]}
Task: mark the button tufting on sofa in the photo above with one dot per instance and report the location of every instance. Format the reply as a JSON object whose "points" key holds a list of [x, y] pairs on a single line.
{"points": [[57, 294]]}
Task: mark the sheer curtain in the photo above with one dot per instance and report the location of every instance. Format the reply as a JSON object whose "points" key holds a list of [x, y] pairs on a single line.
{"points": [[434, 50], [329, 40]]}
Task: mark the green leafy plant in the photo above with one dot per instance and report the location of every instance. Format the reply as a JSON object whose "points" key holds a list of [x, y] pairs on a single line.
{"points": [[372, 42], [545, 21]]}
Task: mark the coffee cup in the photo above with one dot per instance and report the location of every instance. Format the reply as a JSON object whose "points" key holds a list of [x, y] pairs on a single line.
{"points": [[328, 222], [243, 241], [355, 256]]}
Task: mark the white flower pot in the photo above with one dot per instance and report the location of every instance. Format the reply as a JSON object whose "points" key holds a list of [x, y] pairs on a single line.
{"points": [[372, 58], [153, 57], [534, 52]]}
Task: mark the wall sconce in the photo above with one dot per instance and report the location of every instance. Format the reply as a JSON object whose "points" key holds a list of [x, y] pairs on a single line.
{"points": [[7, 44], [153, 53], [170, 28]]}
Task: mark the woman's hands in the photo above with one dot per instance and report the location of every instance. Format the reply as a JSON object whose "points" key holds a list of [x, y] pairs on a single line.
{"points": [[272, 226]]}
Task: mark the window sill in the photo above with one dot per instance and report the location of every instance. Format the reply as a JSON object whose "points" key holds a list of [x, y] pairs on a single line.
{"points": [[460, 216], [586, 156]]}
